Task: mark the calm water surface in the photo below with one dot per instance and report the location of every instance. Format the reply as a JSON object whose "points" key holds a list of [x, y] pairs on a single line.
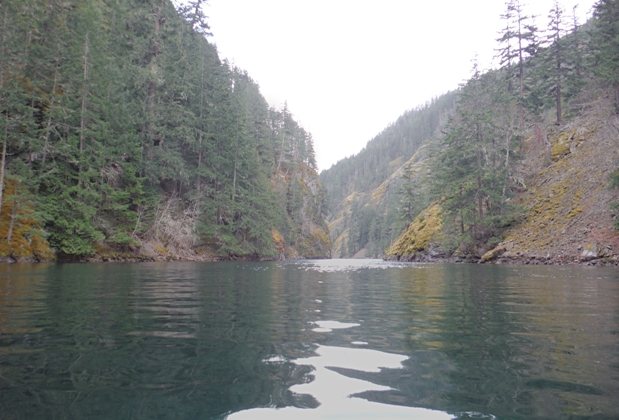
{"points": [[339, 339]]}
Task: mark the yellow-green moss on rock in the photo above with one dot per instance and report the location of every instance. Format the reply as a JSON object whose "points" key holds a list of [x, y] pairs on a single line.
{"points": [[493, 253], [563, 143], [420, 235]]}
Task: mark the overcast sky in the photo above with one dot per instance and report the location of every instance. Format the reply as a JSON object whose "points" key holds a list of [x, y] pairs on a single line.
{"points": [[349, 68]]}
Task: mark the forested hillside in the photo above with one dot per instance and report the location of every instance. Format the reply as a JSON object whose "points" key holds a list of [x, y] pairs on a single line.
{"points": [[365, 190], [124, 135], [524, 164]]}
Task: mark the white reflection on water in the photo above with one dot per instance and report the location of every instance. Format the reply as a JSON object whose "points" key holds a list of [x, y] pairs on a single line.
{"points": [[338, 265], [335, 392], [328, 326]]}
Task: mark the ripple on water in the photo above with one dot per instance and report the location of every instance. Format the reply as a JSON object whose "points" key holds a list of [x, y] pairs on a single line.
{"points": [[201, 340]]}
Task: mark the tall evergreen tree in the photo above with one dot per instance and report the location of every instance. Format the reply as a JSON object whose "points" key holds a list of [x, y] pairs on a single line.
{"points": [[555, 39], [409, 194], [518, 41], [115, 114], [575, 57], [472, 171], [605, 45]]}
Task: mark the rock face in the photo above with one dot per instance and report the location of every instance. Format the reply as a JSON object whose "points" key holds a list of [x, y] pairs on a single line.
{"points": [[421, 240], [567, 215], [308, 235], [377, 198]]}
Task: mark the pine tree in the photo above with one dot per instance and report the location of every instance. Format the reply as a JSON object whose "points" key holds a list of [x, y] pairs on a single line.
{"points": [[605, 45], [575, 57], [193, 13], [110, 108], [409, 194], [472, 171], [555, 39], [519, 41]]}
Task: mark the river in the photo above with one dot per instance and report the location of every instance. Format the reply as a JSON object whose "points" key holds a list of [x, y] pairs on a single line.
{"points": [[325, 339]]}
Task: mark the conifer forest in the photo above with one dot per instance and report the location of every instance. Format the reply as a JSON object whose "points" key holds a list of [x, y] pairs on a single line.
{"points": [[122, 130], [496, 164], [125, 136]]}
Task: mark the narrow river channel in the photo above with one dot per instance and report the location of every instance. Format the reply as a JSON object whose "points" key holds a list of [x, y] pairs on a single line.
{"points": [[325, 339]]}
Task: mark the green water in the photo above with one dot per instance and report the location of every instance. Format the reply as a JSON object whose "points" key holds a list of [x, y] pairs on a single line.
{"points": [[343, 339]]}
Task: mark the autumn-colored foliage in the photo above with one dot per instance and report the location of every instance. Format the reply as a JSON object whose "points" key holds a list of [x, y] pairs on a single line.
{"points": [[20, 233]]}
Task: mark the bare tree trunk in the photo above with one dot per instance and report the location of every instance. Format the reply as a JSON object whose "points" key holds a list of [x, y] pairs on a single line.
{"points": [[201, 128], [6, 115], [48, 128], [12, 223], [520, 68], [461, 215], [3, 51], [2, 164], [479, 168], [84, 99], [236, 155], [559, 103], [281, 153], [507, 147], [558, 81], [152, 86]]}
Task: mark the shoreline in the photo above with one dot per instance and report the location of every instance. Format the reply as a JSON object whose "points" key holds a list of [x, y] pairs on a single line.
{"points": [[519, 260], [422, 258], [137, 259], [149, 258]]}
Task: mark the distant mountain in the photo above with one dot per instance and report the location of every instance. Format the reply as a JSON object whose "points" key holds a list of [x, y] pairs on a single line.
{"points": [[518, 165], [365, 189]]}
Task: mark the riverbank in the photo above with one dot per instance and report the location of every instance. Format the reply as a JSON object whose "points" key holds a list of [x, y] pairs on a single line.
{"points": [[507, 258], [152, 251], [137, 258]]}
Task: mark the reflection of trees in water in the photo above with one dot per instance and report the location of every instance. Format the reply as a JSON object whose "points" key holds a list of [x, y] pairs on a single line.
{"points": [[179, 340], [508, 341], [517, 340], [20, 294]]}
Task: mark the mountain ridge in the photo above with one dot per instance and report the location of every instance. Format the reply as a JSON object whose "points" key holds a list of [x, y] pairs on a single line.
{"points": [[523, 169]]}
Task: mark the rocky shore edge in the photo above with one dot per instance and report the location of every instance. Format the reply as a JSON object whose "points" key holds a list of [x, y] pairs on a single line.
{"points": [[154, 252], [134, 258], [591, 255]]}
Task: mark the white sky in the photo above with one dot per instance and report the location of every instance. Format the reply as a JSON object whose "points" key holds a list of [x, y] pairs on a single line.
{"points": [[349, 68]]}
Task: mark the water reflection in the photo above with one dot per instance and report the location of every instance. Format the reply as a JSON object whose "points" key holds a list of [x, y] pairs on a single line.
{"points": [[344, 265], [339, 395], [328, 326], [172, 301], [309, 339], [532, 342], [20, 297], [343, 382]]}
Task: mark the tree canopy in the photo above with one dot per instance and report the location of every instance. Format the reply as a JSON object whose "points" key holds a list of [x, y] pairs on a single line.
{"points": [[121, 125]]}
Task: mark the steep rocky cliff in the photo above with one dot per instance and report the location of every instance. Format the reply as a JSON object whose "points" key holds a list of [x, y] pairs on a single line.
{"points": [[307, 230], [564, 194], [568, 217], [365, 190], [384, 199]]}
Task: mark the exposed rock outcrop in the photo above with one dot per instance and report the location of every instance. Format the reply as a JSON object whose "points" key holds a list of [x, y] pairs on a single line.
{"points": [[421, 241], [567, 216]]}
